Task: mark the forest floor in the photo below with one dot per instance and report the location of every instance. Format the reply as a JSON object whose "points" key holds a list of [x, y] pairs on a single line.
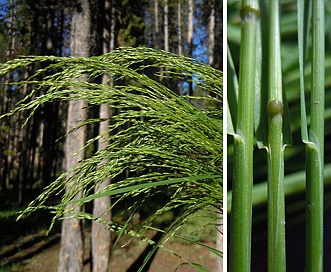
{"points": [[125, 254], [24, 246]]}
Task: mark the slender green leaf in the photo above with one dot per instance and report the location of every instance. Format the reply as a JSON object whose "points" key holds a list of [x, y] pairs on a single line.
{"points": [[140, 187]]}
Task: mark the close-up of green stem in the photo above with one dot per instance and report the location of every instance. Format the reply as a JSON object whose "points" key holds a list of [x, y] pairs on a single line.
{"points": [[275, 108], [315, 147], [283, 91], [241, 218]]}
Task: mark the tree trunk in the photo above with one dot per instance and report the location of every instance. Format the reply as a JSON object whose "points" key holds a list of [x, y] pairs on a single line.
{"points": [[101, 237], [180, 42], [49, 114], [218, 54], [190, 28], [219, 244], [156, 24], [22, 151], [166, 26], [5, 133], [190, 38], [179, 31], [71, 251], [211, 31]]}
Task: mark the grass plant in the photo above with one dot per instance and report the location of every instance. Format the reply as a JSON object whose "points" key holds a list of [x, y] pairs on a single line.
{"points": [[170, 145]]}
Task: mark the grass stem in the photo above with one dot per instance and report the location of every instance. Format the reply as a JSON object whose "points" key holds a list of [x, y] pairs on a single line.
{"points": [[275, 108], [315, 151], [241, 217]]}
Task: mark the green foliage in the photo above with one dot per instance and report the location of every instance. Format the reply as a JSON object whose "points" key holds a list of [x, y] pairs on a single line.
{"points": [[166, 144], [8, 214]]}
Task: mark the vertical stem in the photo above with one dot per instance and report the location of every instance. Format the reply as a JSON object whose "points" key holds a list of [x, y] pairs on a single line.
{"points": [[315, 152], [276, 205], [241, 215]]}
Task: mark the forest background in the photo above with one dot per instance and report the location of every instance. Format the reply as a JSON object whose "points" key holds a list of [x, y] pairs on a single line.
{"points": [[32, 156]]}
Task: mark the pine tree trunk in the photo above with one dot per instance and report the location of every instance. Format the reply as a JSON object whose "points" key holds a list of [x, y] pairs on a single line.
{"points": [[180, 42], [190, 28], [22, 146], [156, 24], [101, 237], [179, 31], [48, 135], [190, 38], [219, 244], [211, 31], [72, 246], [5, 141], [166, 26]]}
